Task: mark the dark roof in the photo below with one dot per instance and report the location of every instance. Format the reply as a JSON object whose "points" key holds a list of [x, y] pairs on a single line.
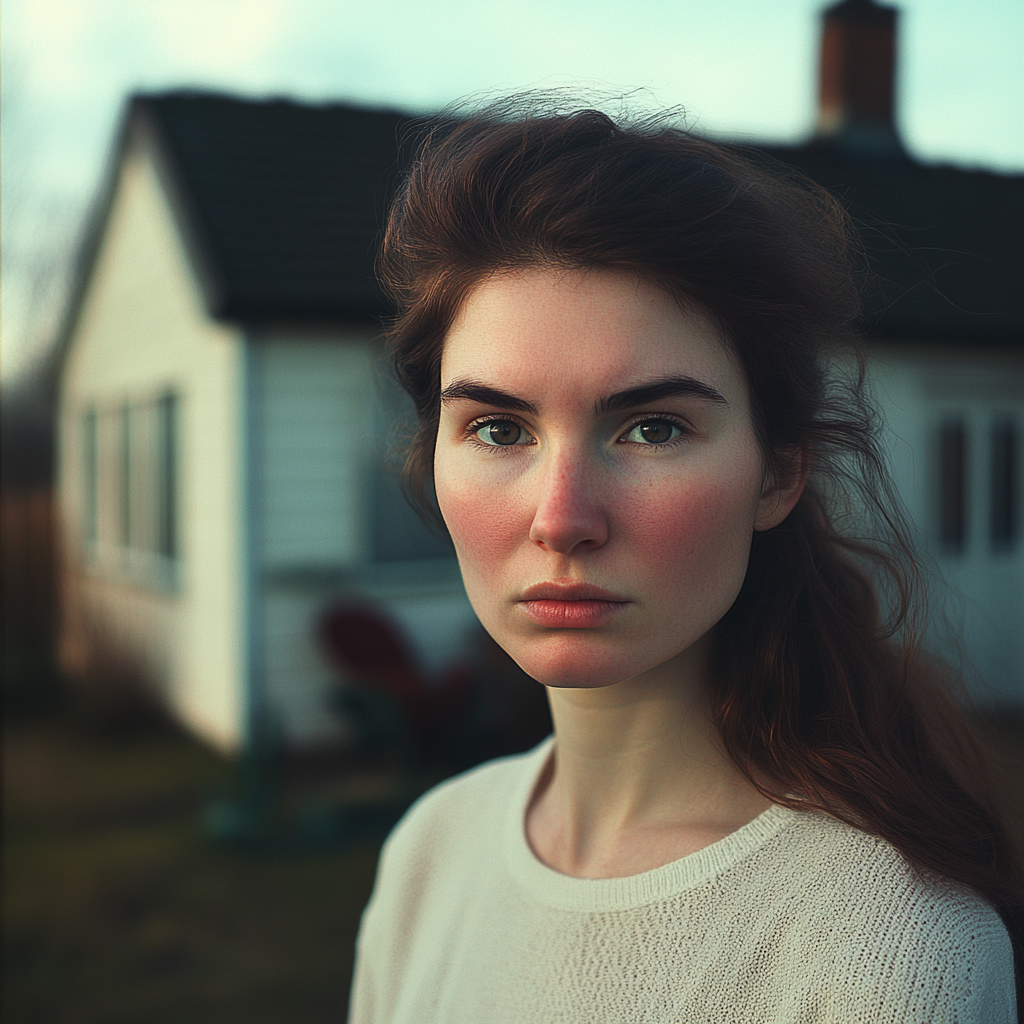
{"points": [[286, 201], [946, 246]]}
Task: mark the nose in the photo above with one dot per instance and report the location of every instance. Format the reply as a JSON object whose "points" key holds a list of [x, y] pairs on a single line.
{"points": [[570, 515]]}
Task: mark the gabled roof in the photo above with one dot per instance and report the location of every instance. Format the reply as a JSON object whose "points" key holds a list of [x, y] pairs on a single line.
{"points": [[286, 200], [284, 205]]}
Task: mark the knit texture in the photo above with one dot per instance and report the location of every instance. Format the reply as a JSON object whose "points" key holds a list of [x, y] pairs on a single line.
{"points": [[795, 917]]}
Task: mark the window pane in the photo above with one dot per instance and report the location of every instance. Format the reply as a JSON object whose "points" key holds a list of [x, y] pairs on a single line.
{"points": [[90, 471], [1004, 484], [167, 461], [953, 485], [124, 479]]}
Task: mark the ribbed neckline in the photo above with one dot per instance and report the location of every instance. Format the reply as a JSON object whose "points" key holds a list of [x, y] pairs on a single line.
{"points": [[607, 894]]}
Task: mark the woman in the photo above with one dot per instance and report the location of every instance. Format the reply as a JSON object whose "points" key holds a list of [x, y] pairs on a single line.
{"points": [[624, 345]]}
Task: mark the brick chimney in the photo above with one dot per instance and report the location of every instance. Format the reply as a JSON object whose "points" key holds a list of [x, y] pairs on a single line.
{"points": [[856, 77]]}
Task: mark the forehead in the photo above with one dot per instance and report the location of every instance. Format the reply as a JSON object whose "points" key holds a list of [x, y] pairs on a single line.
{"points": [[585, 332]]}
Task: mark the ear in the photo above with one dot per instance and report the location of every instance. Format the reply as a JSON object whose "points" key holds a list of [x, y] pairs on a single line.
{"points": [[780, 495]]}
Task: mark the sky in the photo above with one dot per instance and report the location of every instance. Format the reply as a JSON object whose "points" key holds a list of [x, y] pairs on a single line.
{"points": [[741, 69]]}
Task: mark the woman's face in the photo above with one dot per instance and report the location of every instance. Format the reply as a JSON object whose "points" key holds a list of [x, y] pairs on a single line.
{"points": [[597, 467]]}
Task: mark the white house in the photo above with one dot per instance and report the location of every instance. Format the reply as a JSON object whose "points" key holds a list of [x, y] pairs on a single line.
{"points": [[222, 434], [224, 428]]}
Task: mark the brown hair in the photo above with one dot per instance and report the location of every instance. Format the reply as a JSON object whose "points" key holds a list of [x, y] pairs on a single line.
{"points": [[824, 699]]}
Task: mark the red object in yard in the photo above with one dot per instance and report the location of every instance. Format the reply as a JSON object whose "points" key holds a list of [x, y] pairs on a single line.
{"points": [[361, 642], [367, 647]]}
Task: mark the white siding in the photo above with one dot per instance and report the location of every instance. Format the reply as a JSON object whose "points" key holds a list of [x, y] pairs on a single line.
{"points": [[317, 434], [298, 680], [312, 427], [143, 332], [310, 399], [983, 596]]}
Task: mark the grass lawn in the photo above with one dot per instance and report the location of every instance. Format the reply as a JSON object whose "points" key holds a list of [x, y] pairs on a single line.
{"points": [[118, 910]]}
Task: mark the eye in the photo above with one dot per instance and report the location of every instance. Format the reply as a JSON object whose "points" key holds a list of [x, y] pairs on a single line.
{"points": [[653, 431], [502, 433]]}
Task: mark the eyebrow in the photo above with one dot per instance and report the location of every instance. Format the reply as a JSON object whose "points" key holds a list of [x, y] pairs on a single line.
{"points": [[474, 391], [672, 386]]}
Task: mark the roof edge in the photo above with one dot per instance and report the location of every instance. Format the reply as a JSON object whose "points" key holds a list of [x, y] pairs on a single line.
{"points": [[137, 127]]}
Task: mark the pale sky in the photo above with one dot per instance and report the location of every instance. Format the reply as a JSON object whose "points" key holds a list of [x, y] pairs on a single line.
{"points": [[741, 68]]}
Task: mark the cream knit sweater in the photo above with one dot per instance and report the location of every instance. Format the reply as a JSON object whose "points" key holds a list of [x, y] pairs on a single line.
{"points": [[793, 918]]}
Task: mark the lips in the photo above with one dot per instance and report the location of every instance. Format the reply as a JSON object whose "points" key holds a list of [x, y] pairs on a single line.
{"points": [[570, 605], [569, 591]]}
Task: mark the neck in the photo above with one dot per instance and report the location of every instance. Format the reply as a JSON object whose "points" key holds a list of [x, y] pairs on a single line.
{"points": [[639, 777]]}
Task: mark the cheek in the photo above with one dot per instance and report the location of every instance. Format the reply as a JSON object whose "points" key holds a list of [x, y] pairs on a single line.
{"points": [[694, 534], [484, 527]]}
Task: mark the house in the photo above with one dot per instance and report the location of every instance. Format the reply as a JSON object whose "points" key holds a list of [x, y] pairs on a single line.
{"points": [[223, 434], [224, 427]]}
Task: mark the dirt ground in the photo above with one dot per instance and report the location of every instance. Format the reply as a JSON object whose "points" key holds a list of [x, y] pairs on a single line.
{"points": [[118, 909]]}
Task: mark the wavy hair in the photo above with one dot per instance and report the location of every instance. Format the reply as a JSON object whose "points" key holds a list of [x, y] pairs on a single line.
{"points": [[823, 695]]}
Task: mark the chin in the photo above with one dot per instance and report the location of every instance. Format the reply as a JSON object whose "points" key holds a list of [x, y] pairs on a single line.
{"points": [[574, 661]]}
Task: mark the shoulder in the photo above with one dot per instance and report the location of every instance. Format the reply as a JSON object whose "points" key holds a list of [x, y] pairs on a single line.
{"points": [[846, 864], [465, 811], [448, 842], [865, 879], [887, 933]]}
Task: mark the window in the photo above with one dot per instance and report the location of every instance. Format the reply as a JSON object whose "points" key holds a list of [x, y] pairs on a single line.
{"points": [[1004, 484], [953, 485], [130, 489], [979, 482]]}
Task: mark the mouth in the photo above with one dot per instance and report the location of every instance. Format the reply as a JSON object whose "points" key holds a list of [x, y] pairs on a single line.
{"points": [[570, 605]]}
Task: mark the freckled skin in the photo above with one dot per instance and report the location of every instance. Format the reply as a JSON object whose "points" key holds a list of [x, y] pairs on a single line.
{"points": [[667, 529]]}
